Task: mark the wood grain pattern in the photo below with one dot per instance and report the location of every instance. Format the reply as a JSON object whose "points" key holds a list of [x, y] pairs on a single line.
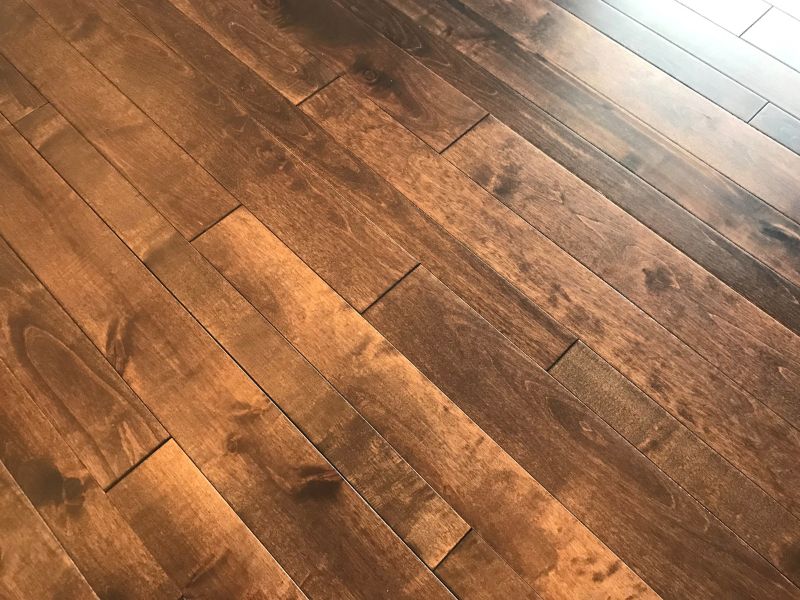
{"points": [[17, 96], [34, 565], [313, 523], [761, 285], [621, 496], [527, 527], [109, 554], [198, 539], [739, 427], [779, 125], [407, 503]]}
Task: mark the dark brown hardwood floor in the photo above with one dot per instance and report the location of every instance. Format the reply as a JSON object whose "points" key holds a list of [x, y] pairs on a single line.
{"points": [[383, 299]]}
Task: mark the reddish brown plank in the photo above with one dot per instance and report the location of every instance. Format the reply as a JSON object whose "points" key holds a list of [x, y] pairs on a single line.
{"points": [[17, 96], [419, 515], [196, 537]]}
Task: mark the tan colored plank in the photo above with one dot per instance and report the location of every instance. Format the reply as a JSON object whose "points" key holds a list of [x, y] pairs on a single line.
{"points": [[34, 565], [17, 96], [408, 504], [109, 554], [321, 531], [195, 536]]}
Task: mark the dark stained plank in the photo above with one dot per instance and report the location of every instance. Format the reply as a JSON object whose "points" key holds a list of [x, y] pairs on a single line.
{"points": [[489, 293], [474, 571], [742, 429], [106, 425], [17, 96], [195, 536], [236, 149], [424, 521], [684, 67], [779, 125], [747, 345], [34, 564], [776, 33], [323, 534], [641, 514], [713, 135], [542, 541], [736, 17], [109, 554], [740, 216], [725, 491], [186, 194], [417, 98]]}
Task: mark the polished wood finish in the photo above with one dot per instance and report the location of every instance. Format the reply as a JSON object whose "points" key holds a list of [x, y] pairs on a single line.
{"points": [[776, 33], [779, 125], [17, 96]]}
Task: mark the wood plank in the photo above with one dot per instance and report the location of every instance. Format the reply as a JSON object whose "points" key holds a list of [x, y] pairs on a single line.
{"points": [[397, 493], [17, 96], [713, 135], [693, 73], [747, 345], [740, 428], [184, 192], [606, 483], [93, 409], [780, 126], [693, 185], [34, 565], [528, 528], [474, 571], [735, 17], [776, 33], [358, 259], [196, 537], [489, 293], [109, 554], [791, 7], [725, 491], [299, 507], [420, 100]]}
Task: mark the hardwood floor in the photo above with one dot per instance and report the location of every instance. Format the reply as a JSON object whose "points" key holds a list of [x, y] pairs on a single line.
{"points": [[360, 299]]}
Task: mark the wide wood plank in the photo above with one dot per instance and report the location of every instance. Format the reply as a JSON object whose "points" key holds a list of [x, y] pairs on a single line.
{"points": [[736, 17], [196, 537], [103, 421], [746, 344], [735, 213], [739, 427], [737, 501], [527, 527], [489, 293], [34, 564], [17, 96], [183, 191], [296, 503], [776, 33], [474, 571], [620, 495], [779, 125], [109, 554], [408, 504]]}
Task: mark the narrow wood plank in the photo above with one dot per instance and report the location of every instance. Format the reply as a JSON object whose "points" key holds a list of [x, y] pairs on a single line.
{"points": [[621, 496], [725, 491], [34, 565], [718, 255], [528, 527], [109, 554], [474, 571], [746, 344], [236, 149], [742, 429], [684, 67], [713, 135], [196, 537], [791, 7], [735, 17], [780, 126], [186, 194], [17, 96], [407, 503], [776, 33], [296, 503], [417, 98], [103, 421], [489, 293]]}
